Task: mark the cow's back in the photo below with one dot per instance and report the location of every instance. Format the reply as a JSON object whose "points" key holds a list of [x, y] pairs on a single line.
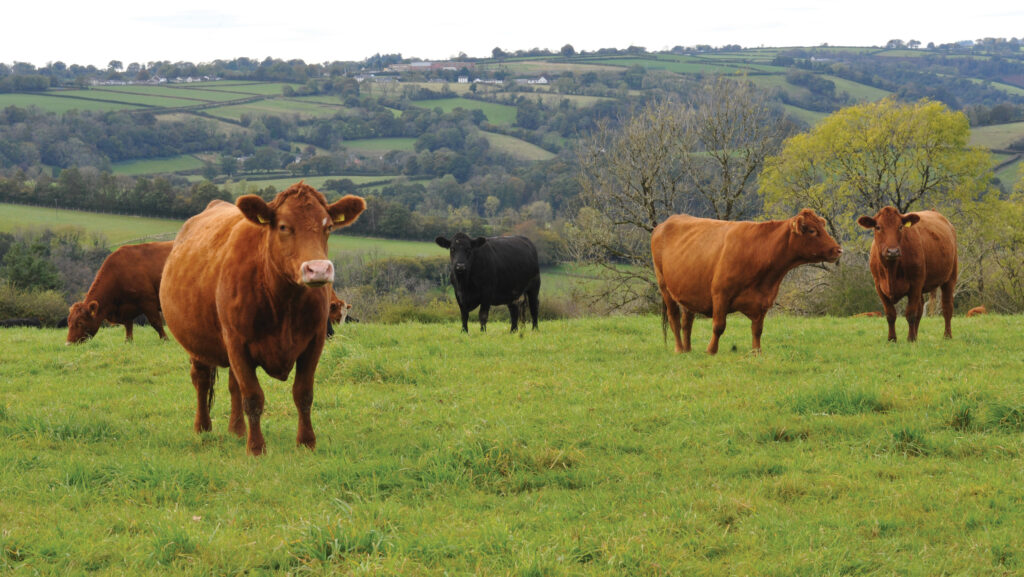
{"points": [[188, 291]]}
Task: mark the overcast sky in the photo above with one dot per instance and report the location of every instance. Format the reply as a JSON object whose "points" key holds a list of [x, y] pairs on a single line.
{"points": [[82, 32]]}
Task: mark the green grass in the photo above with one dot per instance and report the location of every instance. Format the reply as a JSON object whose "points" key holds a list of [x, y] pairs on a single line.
{"points": [[495, 113], [275, 106], [181, 163], [138, 98], [584, 448], [118, 229], [61, 104], [517, 147], [998, 136], [381, 144]]}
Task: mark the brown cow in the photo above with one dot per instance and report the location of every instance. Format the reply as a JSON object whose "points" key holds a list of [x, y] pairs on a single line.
{"points": [[912, 254], [715, 267], [127, 285], [249, 286], [338, 313], [977, 311]]}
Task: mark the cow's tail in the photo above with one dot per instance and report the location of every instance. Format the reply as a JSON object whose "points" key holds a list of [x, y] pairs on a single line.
{"points": [[664, 322]]}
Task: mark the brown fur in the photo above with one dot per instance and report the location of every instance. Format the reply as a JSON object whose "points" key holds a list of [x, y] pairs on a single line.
{"points": [[339, 310], [976, 311], [912, 254], [715, 267], [868, 314], [237, 293], [127, 285]]}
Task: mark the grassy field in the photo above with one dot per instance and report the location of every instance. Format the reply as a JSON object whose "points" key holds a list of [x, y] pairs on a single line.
{"points": [[495, 113], [120, 229], [60, 104], [997, 136], [584, 448], [179, 163]]}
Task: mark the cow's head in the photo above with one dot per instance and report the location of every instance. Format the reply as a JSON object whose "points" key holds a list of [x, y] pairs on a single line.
{"points": [[83, 321], [339, 310], [297, 223], [889, 226], [811, 240], [460, 248]]}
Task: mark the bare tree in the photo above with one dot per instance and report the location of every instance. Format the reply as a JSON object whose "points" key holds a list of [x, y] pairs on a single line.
{"points": [[666, 158], [631, 178], [737, 128]]}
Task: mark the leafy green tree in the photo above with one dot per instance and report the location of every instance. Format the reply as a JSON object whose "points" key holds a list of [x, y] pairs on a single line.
{"points": [[861, 158], [27, 266]]}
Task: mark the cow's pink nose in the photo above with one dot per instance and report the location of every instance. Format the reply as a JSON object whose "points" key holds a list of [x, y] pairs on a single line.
{"points": [[317, 272]]}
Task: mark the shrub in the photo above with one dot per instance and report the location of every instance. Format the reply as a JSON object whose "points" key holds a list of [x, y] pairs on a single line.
{"points": [[47, 306]]}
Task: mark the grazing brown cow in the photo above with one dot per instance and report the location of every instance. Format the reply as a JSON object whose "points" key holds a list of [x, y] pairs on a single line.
{"points": [[912, 254], [249, 286], [127, 285], [977, 311], [715, 267]]}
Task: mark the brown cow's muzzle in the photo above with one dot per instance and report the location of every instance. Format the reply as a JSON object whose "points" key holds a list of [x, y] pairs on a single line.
{"points": [[891, 254], [317, 272], [835, 254]]}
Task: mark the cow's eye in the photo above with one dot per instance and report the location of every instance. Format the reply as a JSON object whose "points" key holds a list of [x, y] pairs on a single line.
{"points": [[282, 228]]}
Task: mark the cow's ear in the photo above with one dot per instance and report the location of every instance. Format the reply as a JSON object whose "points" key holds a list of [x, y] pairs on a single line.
{"points": [[347, 209], [443, 242], [93, 307], [478, 242], [255, 209], [866, 222], [911, 219], [797, 223]]}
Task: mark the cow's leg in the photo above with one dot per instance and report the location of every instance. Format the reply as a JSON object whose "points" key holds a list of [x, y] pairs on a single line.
{"points": [[756, 327], [128, 327], [236, 424], [533, 298], [485, 311], [890, 312], [251, 398], [513, 313], [947, 307], [152, 313], [302, 394], [688, 317], [672, 313], [203, 376], [915, 308], [718, 314], [464, 312]]}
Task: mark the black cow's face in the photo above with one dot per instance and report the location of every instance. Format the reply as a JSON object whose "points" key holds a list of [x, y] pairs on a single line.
{"points": [[460, 249]]}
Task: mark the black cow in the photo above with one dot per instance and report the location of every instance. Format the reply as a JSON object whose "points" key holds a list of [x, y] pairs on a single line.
{"points": [[499, 270]]}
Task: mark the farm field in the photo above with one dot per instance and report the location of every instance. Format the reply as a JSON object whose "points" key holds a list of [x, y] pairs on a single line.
{"points": [[122, 229], [60, 104], [184, 162], [584, 448], [998, 136], [517, 147], [495, 113]]}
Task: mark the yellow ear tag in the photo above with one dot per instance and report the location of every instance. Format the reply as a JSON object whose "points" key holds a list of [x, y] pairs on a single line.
{"points": [[339, 218], [907, 224], [262, 220]]}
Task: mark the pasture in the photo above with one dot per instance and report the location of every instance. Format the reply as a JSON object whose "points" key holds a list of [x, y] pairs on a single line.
{"points": [[832, 453], [496, 113]]}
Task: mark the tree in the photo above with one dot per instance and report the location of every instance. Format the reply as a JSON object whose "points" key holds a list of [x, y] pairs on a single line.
{"points": [[737, 129], [568, 50], [864, 157], [631, 178]]}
